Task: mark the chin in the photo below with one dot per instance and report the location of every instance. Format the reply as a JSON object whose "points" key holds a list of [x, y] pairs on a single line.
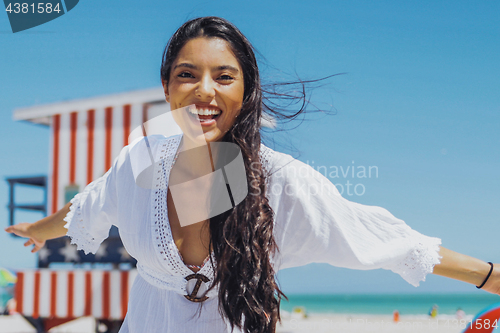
{"points": [[211, 138]]}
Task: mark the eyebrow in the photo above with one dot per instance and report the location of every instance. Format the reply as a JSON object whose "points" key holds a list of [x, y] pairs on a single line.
{"points": [[219, 68], [228, 67], [185, 64]]}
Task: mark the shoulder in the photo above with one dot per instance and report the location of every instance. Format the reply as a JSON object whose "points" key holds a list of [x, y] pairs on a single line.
{"points": [[145, 151], [287, 175], [277, 164], [152, 143], [273, 161]]}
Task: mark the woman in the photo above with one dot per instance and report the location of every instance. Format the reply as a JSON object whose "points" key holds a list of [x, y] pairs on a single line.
{"points": [[227, 262]]}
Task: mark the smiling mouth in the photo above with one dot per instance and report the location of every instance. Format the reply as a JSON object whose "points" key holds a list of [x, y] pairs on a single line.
{"points": [[204, 114]]}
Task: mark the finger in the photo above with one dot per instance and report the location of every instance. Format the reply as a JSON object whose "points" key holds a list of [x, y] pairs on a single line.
{"points": [[36, 248], [13, 230], [29, 242]]}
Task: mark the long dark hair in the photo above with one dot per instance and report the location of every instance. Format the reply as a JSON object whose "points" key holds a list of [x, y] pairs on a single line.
{"points": [[242, 239]]}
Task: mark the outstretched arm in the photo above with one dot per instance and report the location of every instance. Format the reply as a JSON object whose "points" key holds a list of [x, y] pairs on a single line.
{"points": [[468, 269], [47, 228]]}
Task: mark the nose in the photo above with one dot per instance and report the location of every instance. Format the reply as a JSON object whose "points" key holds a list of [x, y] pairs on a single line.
{"points": [[206, 88]]}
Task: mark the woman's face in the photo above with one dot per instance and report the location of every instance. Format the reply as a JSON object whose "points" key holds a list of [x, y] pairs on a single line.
{"points": [[207, 74]]}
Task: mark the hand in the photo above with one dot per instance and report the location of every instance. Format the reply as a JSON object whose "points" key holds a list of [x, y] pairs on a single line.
{"points": [[493, 283], [24, 230]]}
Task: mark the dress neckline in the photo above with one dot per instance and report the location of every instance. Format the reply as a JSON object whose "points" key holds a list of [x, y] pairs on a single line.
{"points": [[170, 236]]}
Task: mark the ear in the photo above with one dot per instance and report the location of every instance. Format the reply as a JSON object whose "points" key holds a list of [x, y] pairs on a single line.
{"points": [[165, 89]]}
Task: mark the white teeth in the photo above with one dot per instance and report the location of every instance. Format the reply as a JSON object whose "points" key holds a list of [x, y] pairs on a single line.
{"points": [[204, 112]]}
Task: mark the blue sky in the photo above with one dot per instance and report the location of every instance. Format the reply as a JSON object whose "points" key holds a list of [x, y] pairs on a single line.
{"points": [[419, 101]]}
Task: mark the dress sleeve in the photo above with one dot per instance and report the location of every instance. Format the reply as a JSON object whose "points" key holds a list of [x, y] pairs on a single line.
{"points": [[94, 211], [314, 223]]}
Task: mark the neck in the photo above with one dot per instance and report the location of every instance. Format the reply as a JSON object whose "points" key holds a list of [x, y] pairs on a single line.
{"points": [[194, 160]]}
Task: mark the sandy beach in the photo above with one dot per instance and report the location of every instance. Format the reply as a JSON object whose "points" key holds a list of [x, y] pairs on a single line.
{"points": [[347, 323]]}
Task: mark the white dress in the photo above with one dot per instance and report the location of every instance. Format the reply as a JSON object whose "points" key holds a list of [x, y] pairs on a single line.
{"points": [[313, 223]]}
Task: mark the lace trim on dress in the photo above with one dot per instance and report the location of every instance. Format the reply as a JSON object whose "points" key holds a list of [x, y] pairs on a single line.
{"points": [[161, 232], [420, 261], [75, 223], [190, 266], [162, 235], [265, 160]]}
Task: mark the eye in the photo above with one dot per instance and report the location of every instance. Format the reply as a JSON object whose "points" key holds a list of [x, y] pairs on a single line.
{"points": [[225, 77], [185, 75]]}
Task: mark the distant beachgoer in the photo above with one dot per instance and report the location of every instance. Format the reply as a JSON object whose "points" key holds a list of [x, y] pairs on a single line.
{"points": [[395, 316], [433, 312], [460, 314], [299, 312], [11, 306], [292, 216]]}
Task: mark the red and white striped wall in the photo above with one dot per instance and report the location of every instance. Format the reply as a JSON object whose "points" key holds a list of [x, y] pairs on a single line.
{"points": [[68, 294], [87, 135], [85, 143]]}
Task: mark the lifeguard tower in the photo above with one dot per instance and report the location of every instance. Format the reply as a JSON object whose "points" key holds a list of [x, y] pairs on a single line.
{"points": [[85, 137]]}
